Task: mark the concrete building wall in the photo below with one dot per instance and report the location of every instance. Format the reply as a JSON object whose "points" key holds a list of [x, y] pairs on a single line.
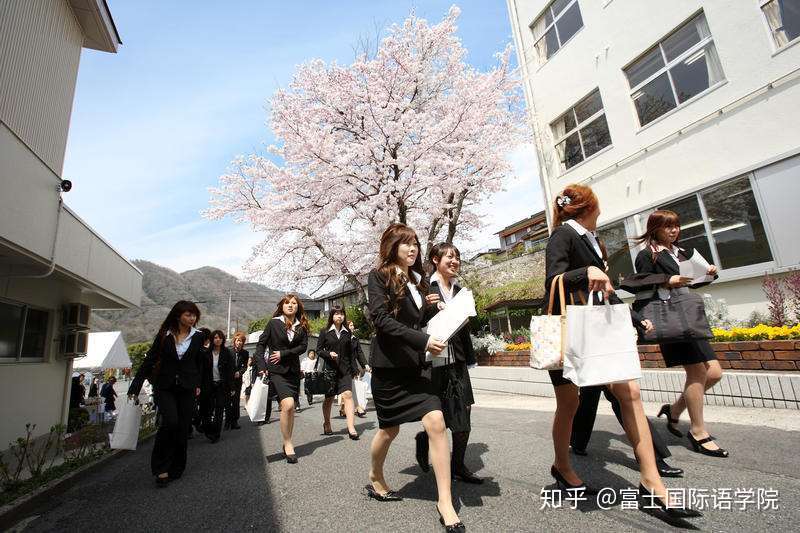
{"points": [[40, 48]]}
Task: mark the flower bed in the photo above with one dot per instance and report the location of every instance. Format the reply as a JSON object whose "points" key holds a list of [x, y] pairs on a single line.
{"points": [[760, 332]]}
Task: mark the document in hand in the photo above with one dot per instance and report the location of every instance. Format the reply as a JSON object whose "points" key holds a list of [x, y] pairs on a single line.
{"points": [[696, 267], [450, 319]]}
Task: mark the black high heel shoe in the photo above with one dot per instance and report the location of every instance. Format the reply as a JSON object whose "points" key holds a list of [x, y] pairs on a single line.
{"points": [[666, 410], [290, 458], [563, 484], [388, 496], [697, 445], [674, 512], [353, 436], [458, 527], [326, 431]]}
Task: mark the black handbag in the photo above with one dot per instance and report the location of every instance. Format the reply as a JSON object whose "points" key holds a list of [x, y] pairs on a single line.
{"points": [[323, 382], [681, 318], [454, 407]]}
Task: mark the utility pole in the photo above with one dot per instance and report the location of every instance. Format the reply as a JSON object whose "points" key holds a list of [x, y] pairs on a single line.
{"points": [[228, 330]]}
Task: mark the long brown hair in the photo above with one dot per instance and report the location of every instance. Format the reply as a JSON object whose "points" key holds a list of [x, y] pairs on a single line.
{"points": [[395, 235], [300, 315], [659, 219]]}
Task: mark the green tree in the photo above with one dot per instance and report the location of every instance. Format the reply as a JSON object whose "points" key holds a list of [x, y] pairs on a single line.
{"points": [[258, 325], [137, 352]]}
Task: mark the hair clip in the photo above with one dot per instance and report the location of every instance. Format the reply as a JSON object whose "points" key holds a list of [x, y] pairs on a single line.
{"points": [[561, 201]]}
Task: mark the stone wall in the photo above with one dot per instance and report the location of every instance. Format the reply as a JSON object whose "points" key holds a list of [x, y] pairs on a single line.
{"points": [[520, 268]]}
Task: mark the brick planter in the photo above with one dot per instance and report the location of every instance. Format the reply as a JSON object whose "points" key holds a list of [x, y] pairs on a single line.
{"points": [[744, 355]]}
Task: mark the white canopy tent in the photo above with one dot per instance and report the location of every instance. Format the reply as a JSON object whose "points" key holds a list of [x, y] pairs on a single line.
{"points": [[106, 350]]}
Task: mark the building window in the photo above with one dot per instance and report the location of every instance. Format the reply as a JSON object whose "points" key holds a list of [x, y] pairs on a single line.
{"points": [[675, 70], [618, 249], [581, 132], [554, 27], [783, 17], [23, 333]]}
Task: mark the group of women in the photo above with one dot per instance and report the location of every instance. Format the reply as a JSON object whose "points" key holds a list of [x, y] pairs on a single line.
{"points": [[408, 387]]}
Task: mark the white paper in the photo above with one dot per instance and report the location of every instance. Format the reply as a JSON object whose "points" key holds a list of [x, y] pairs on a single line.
{"points": [[449, 320], [696, 267]]}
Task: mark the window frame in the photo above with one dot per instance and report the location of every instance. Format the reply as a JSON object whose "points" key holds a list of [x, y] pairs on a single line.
{"points": [[770, 33], [668, 65], [577, 128], [21, 334], [561, 44]]}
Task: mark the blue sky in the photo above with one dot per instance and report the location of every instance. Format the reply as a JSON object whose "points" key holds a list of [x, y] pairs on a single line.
{"points": [[154, 125]]}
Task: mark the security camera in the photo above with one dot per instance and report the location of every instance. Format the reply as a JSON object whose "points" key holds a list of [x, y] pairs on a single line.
{"points": [[65, 186]]}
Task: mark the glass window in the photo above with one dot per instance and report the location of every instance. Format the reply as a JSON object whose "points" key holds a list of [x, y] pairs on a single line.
{"points": [[736, 225], [680, 67], [618, 249], [34, 341], [693, 229], [783, 17], [557, 24], [581, 132], [10, 325]]}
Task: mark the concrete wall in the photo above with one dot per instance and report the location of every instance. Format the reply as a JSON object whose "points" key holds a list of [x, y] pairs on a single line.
{"points": [[40, 48]]}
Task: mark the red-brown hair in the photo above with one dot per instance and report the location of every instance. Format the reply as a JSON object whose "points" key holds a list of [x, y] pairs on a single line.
{"points": [[659, 219], [301, 313], [573, 202], [395, 235]]}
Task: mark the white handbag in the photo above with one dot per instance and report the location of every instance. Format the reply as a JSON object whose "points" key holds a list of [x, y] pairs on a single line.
{"points": [[126, 429], [600, 345], [360, 393], [256, 407], [549, 331]]}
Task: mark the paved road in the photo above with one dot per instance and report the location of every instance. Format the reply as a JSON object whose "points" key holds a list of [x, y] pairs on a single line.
{"points": [[242, 484]]}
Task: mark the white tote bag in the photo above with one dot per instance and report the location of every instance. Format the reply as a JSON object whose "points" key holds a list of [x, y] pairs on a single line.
{"points": [[256, 407], [360, 393], [126, 428], [600, 345], [548, 332]]}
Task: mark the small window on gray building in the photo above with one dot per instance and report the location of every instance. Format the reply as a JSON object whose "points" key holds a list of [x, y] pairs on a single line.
{"points": [[554, 27], [783, 18], [23, 332], [581, 132]]}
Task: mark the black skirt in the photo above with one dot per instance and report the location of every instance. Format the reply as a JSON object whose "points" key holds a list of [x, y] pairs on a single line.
{"points": [[285, 385], [687, 353], [343, 384], [402, 395]]}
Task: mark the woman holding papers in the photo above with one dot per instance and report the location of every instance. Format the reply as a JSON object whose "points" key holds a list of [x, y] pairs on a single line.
{"points": [[401, 389], [446, 260], [574, 251], [278, 351], [658, 275], [335, 348]]}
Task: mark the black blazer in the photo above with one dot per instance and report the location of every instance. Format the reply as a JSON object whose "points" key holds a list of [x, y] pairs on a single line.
{"points": [[343, 346], [461, 348], [274, 338], [225, 365], [651, 275], [399, 340], [358, 352], [161, 366], [572, 254], [241, 357]]}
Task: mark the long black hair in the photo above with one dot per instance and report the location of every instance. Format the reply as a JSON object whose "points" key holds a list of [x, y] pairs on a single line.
{"points": [[335, 309], [172, 321]]}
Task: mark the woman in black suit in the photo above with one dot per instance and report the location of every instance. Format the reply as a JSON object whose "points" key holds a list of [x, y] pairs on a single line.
{"points": [[335, 347], [174, 366], [401, 388], [286, 338], [574, 251], [363, 364], [446, 261], [658, 276], [218, 372]]}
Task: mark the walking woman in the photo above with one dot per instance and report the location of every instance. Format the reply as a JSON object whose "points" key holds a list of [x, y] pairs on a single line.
{"points": [[286, 338], [658, 276], [217, 384], [363, 365], [335, 347], [401, 389], [241, 357], [574, 251], [174, 366], [446, 260]]}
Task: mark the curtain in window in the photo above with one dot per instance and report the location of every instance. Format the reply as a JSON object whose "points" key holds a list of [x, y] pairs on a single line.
{"points": [[773, 13], [541, 41]]}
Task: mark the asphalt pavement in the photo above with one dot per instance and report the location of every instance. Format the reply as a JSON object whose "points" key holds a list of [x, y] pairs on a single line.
{"points": [[242, 483]]}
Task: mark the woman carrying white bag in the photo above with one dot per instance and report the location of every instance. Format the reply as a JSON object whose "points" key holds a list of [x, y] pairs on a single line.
{"points": [[573, 251]]}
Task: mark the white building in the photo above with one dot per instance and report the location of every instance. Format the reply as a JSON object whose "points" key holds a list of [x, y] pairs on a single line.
{"points": [[49, 258], [689, 105]]}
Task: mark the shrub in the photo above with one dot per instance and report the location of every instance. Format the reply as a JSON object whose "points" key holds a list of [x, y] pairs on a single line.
{"points": [[136, 352], [777, 300]]}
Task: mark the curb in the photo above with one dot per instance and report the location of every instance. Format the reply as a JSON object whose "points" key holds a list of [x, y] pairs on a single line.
{"points": [[12, 513]]}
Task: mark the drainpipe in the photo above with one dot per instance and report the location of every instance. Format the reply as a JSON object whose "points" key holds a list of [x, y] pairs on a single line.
{"points": [[66, 395]]}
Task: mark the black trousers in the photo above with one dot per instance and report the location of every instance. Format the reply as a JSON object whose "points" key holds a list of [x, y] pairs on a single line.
{"points": [[583, 423], [176, 406], [215, 399], [233, 407]]}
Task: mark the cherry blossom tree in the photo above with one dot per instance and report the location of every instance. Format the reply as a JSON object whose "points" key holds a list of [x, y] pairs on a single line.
{"points": [[410, 134]]}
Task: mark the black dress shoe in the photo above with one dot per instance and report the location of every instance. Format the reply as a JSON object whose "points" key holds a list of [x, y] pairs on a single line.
{"points": [[579, 451], [466, 476], [353, 436], [236, 426], [674, 512], [666, 410], [388, 496], [361, 414], [290, 458], [422, 451], [697, 445], [563, 484], [668, 471], [458, 527]]}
